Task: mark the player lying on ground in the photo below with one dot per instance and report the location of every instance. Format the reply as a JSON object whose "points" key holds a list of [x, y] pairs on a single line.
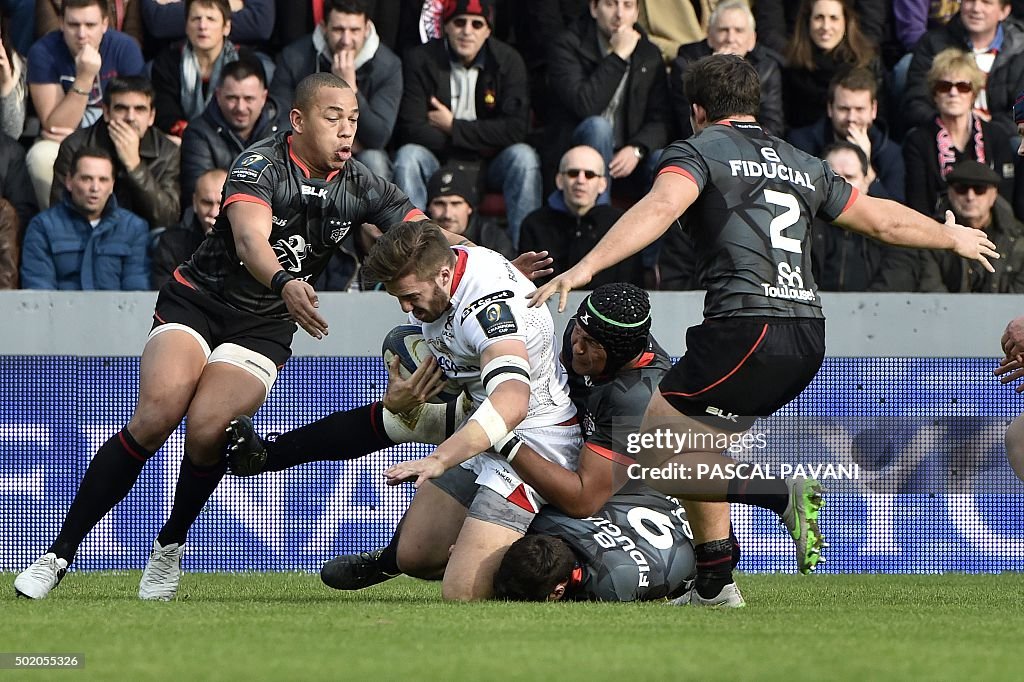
{"points": [[748, 200], [637, 547]]}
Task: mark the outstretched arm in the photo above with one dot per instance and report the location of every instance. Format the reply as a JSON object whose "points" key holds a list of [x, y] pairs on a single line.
{"points": [[893, 223]]}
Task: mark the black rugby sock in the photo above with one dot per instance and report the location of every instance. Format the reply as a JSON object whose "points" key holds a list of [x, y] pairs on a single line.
{"points": [[195, 486], [767, 493], [714, 566], [338, 436], [111, 474], [735, 548], [388, 559]]}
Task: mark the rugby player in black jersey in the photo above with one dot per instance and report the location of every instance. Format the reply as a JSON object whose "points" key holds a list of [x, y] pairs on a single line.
{"points": [[613, 364], [635, 548], [224, 324], [747, 200]]}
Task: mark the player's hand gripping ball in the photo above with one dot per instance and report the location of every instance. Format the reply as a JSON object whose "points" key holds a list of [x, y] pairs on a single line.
{"points": [[407, 342]]}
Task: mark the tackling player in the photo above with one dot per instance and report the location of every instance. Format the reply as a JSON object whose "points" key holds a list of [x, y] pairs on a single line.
{"points": [[613, 364], [224, 324], [749, 200]]}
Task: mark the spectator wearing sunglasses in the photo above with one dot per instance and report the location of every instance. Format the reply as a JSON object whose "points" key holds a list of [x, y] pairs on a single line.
{"points": [[974, 199], [958, 133], [466, 103], [985, 29], [572, 221]]}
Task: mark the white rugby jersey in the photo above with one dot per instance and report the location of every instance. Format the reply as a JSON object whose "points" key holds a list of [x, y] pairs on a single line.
{"points": [[488, 305]]}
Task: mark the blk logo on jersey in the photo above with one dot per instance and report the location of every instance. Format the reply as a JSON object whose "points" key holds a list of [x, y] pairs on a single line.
{"points": [[249, 167], [310, 191], [291, 252], [497, 320], [719, 412]]}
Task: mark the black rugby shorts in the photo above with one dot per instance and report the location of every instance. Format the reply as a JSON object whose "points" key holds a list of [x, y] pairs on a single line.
{"points": [[220, 323], [737, 369]]}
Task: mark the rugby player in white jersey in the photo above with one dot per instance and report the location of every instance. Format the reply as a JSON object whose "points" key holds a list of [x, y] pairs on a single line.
{"points": [[471, 303]]}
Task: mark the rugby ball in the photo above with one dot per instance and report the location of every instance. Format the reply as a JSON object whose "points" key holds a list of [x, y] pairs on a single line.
{"points": [[407, 342]]}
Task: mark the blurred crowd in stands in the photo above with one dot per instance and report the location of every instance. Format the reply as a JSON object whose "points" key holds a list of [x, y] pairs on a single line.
{"points": [[524, 124]]}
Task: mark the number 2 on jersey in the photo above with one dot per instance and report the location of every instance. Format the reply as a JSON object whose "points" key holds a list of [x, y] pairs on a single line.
{"points": [[781, 222]]}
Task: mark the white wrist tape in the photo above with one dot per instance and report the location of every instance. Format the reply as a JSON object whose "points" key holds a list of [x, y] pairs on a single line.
{"points": [[504, 368], [491, 422]]}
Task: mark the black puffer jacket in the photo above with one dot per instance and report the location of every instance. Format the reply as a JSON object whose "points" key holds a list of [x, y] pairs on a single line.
{"points": [[209, 142]]}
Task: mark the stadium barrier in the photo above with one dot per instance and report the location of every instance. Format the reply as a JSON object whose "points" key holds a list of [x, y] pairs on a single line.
{"points": [[904, 424]]}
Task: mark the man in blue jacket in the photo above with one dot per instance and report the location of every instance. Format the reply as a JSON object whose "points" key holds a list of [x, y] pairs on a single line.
{"points": [[86, 241]]}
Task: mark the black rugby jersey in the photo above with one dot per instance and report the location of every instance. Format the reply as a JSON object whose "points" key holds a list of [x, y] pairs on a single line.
{"points": [[613, 407], [311, 218], [751, 223], [636, 548]]}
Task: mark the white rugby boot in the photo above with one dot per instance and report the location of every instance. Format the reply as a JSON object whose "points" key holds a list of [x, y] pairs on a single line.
{"points": [[163, 572]]}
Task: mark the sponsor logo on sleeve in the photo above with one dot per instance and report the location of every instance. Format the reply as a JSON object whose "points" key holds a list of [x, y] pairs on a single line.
{"points": [[484, 300], [497, 320], [249, 167]]}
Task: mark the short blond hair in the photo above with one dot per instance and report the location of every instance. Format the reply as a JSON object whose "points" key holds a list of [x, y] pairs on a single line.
{"points": [[953, 60]]}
